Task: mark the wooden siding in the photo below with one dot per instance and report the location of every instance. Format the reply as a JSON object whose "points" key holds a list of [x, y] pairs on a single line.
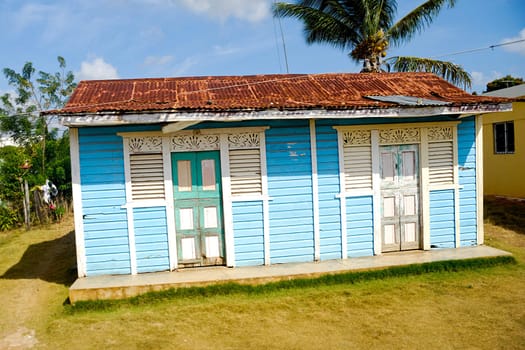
{"points": [[467, 181], [329, 204], [290, 189], [151, 239], [248, 233], [442, 224], [360, 226], [103, 194]]}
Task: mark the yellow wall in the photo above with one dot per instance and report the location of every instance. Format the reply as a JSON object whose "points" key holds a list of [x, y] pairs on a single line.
{"points": [[504, 174]]}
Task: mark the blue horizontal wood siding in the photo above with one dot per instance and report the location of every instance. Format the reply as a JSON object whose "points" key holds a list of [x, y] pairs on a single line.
{"points": [[442, 221], [248, 233], [151, 239], [467, 181], [103, 193], [289, 171], [360, 226], [329, 187]]}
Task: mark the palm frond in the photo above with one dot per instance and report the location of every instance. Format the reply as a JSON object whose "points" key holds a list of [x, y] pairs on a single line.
{"points": [[333, 22], [449, 71], [417, 20]]}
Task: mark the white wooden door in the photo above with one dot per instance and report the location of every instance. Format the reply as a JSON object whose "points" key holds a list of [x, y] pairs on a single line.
{"points": [[400, 224]]}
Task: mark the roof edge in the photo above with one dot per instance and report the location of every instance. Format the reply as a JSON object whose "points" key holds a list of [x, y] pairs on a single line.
{"points": [[105, 119]]}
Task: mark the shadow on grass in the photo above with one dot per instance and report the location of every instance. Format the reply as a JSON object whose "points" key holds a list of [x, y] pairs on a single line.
{"points": [[51, 261], [507, 213]]}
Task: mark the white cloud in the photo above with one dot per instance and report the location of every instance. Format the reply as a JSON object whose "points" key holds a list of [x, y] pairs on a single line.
{"points": [[248, 10], [31, 13], [52, 20], [152, 33], [252, 10], [183, 67], [158, 60], [219, 50], [517, 47], [95, 69], [480, 80]]}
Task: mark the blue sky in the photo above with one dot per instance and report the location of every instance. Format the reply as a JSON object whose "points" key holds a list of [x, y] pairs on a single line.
{"points": [[103, 39]]}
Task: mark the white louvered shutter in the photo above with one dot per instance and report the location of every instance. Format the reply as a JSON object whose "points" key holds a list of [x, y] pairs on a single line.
{"points": [[358, 167], [147, 176], [245, 172], [441, 163]]}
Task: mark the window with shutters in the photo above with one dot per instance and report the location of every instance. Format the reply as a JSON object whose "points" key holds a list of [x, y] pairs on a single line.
{"points": [[245, 164], [147, 176], [146, 167], [441, 155], [441, 163], [357, 160], [357, 153]]}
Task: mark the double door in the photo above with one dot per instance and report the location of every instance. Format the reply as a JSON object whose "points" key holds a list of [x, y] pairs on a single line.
{"points": [[198, 208], [400, 222]]}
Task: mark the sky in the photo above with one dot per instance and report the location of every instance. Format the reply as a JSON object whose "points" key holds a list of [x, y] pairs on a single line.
{"points": [[109, 39]]}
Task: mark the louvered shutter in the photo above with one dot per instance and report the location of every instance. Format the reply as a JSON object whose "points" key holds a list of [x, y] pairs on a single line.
{"points": [[245, 172], [147, 176], [441, 163], [358, 167]]}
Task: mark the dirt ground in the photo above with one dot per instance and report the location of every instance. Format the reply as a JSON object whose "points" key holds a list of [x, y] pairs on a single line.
{"points": [[36, 269]]}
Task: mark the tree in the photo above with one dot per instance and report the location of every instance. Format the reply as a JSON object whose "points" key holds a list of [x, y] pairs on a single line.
{"points": [[367, 28], [42, 152], [505, 82], [20, 115]]}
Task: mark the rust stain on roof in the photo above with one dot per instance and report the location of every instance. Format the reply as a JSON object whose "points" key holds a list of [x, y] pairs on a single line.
{"points": [[259, 92]]}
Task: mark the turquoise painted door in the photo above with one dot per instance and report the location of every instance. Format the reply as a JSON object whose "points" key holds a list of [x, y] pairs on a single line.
{"points": [[198, 208], [400, 197]]}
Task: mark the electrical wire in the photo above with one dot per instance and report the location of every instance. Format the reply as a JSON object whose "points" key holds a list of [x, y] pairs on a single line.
{"points": [[281, 31], [491, 47]]}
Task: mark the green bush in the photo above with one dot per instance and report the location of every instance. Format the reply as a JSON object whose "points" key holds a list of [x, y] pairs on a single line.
{"points": [[8, 219]]}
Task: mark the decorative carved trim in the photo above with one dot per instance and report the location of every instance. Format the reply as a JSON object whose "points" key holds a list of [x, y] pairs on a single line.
{"points": [[145, 144], [183, 143], [243, 141], [399, 136], [356, 137], [440, 134]]}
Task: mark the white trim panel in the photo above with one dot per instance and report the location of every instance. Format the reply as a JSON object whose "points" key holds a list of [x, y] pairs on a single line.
{"points": [[74, 152], [315, 191], [479, 179]]}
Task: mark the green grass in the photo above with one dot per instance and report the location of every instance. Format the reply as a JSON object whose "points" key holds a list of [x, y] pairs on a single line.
{"points": [[347, 278], [476, 303]]}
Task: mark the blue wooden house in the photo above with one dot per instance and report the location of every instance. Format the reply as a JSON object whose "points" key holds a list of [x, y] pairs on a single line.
{"points": [[256, 170]]}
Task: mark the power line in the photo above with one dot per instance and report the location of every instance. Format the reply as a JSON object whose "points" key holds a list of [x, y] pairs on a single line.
{"points": [[284, 45], [491, 47], [278, 51], [282, 40]]}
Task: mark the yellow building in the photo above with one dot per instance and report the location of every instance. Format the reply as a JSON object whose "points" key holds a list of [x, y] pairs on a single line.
{"points": [[504, 147]]}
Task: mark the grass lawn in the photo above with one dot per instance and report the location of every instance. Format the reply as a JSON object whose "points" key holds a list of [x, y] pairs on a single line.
{"points": [[480, 308]]}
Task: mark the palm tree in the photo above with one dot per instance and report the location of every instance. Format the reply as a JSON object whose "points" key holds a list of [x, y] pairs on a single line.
{"points": [[367, 28]]}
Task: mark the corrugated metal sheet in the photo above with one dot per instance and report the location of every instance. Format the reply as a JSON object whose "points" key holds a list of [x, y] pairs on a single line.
{"points": [[409, 100], [259, 92]]}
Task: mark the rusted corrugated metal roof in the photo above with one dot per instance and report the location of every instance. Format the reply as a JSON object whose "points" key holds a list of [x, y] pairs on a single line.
{"points": [[259, 92]]}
